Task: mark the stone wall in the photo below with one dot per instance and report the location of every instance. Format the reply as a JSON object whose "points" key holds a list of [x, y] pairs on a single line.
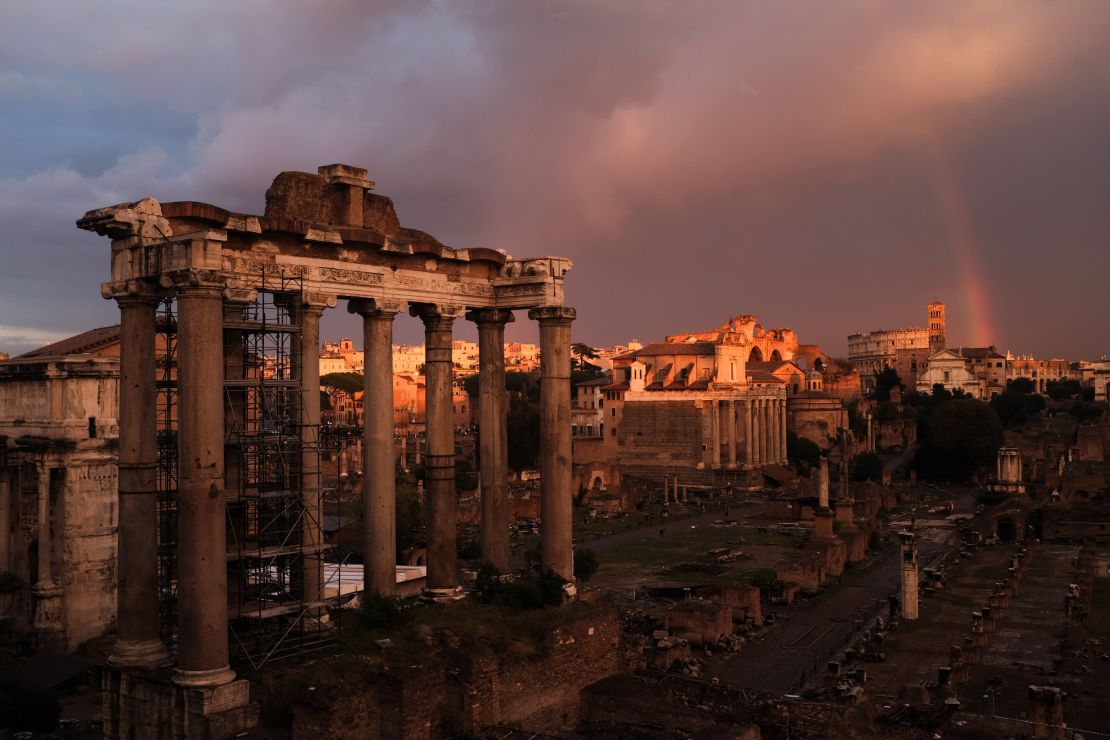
{"points": [[668, 434], [464, 689]]}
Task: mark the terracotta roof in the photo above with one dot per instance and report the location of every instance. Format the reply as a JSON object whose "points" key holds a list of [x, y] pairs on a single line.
{"points": [[759, 376], [616, 387], [81, 344], [978, 352], [603, 380], [769, 366], [676, 348]]}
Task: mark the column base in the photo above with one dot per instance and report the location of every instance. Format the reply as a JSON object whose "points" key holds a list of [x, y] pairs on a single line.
{"points": [[570, 590], [211, 678], [443, 595], [47, 620], [139, 654], [150, 705]]}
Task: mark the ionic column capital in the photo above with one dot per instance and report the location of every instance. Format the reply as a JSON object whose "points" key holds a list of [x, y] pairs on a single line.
{"points": [[490, 316], [132, 292], [430, 311], [370, 308], [214, 283], [317, 303], [552, 314]]}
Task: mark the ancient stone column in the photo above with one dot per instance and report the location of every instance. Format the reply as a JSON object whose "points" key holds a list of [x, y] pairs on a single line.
{"points": [[556, 552], [756, 422], [493, 435], [5, 521], [715, 417], [312, 308], [823, 482], [765, 431], [730, 425], [138, 644], [909, 576], [441, 505], [379, 488], [202, 648], [47, 594], [782, 431], [749, 448]]}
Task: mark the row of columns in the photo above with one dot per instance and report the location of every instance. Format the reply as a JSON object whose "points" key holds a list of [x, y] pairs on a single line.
{"points": [[764, 431], [203, 658]]}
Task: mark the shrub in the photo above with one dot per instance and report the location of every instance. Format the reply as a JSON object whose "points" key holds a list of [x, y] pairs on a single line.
{"points": [[867, 466], [585, 564], [523, 593], [382, 612]]}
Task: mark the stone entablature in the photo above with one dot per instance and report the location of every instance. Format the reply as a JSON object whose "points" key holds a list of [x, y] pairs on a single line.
{"points": [[155, 241]]}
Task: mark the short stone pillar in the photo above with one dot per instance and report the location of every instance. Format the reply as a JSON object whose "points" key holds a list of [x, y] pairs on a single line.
{"points": [[909, 576], [1046, 712], [556, 502]]}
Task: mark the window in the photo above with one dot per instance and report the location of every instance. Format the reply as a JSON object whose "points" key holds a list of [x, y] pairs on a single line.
{"points": [[946, 376], [614, 413], [92, 427]]}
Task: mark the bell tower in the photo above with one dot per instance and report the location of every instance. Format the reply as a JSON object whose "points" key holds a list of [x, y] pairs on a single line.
{"points": [[937, 340]]}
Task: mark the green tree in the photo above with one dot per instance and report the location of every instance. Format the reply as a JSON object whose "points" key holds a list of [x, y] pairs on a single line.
{"points": [[1085, 411], [1060, 390], [1021, 385], [524, 433], [349, 382], [802, 452], [957, 438], [867, 466], [1015, 407], [886, 411], [886, 381], [585, 564]]}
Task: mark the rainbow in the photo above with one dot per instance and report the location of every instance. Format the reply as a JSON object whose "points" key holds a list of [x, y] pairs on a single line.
{"points": [[978, 323]]}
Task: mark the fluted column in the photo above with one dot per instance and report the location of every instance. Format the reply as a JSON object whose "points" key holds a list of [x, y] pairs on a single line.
{"points": [[138, 644], [556, 550], [441, 506], [379, 487], [493, 435], [202, 652], [756, 422], [312, 308], [749, 452]]}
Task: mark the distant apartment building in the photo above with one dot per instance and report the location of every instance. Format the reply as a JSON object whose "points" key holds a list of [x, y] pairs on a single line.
{"points": [[1041, 372]]}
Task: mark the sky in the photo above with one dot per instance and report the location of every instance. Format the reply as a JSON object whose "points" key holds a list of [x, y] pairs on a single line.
{"points": [[830, 167]]}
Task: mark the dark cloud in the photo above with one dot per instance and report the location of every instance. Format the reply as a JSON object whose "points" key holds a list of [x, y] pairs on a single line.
{"points": [[826, 166]]}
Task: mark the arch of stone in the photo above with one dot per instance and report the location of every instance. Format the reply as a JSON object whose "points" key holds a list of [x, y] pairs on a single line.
{"points": [[338, 241]]}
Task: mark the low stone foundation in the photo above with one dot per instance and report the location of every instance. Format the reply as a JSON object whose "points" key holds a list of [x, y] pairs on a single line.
{"points": [[462, 689], [151, 706]]}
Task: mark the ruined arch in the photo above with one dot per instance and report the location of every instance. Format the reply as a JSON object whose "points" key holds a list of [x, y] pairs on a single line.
{"points": [[756, 355], [818, 364], [776, 356]]}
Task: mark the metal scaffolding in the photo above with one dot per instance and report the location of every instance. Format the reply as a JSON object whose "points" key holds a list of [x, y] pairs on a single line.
{"points": [[273, 612]]}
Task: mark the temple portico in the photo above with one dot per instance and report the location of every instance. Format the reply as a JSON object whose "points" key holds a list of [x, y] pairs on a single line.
{"points": [[324, 238]]}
